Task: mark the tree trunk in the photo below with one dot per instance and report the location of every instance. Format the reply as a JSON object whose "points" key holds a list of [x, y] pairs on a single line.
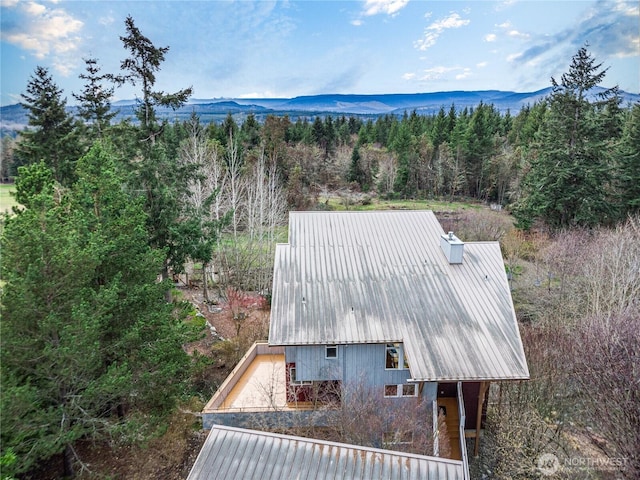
{"points": [[165, 275], [68, 461], [205, 289]]}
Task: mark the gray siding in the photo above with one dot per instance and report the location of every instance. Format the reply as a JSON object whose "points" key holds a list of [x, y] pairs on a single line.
{"points": [[311, 363], [356, 365]]}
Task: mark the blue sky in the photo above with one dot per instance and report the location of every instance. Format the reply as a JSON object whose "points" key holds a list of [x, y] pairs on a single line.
{"points": [[288, 48]]}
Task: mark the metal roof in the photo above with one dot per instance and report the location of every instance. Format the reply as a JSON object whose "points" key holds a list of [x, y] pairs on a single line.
{"points": [[376, 277], [238, 454]]}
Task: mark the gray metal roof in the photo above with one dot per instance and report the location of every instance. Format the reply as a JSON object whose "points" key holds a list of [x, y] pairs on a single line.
{"points": [[239, 454], [376, 277]]}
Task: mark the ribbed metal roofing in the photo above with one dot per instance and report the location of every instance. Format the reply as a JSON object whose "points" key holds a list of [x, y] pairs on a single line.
{"points": [[377, 277], [239, 454]]}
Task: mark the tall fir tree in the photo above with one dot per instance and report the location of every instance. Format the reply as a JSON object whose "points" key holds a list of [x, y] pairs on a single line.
{"points": [[140, 69], [356, 172], [95, 99], [569, 180], [627, 171], [160, 179], [51, 136]]}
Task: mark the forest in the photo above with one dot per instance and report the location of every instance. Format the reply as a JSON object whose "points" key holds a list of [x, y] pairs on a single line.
{"points": [[109, 214]]}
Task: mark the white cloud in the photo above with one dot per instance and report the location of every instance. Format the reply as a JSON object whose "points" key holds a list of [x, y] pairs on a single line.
{"points": [[390, 7], [466, 73], [106, 21], [491, 37], [356, 23], [514, 56], [433, 31], [504, 25], [46, 31], [631, 9], [436, 73], [409, 76], [517, 34], [429, 40], [34, 9], [482, 64], [452, 21]]}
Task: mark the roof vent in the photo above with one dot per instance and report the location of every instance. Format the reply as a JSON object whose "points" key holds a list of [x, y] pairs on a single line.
{"points": [[452, 247]]}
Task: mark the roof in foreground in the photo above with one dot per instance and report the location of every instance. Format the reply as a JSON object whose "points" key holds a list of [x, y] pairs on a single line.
{"points": [[238, 454], [376, 277]]}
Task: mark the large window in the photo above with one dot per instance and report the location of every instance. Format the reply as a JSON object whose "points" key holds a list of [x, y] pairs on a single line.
{"points": [[395, 358]]}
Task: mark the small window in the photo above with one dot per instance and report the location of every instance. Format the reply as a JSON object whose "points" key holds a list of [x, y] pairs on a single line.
{"points": [[391, 390], [409, 390], [331, 351], [392, 360]]}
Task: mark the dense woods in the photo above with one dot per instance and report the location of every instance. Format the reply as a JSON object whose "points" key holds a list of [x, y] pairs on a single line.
{"points": [[91, 339]]}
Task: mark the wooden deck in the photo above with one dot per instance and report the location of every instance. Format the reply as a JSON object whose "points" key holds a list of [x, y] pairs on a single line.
{"points": [[453, 422], [256, 384], [261, 386]]}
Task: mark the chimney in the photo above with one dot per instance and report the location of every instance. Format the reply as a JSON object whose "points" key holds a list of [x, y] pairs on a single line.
{"points": [[452, 247]]}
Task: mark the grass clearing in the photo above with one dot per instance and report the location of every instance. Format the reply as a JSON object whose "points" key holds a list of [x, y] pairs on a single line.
{"points": [[6, 199], [336, 203]]}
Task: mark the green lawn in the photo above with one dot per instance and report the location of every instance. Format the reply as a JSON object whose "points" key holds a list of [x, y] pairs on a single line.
{"points": [[336, 203], [6, 200]]}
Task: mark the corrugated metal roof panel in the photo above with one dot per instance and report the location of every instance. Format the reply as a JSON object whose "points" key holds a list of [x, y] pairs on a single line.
{"points": [[375, 277], [239, 454]]}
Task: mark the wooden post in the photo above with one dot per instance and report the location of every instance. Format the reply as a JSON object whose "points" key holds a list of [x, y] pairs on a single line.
{"points": [[484, 386]]}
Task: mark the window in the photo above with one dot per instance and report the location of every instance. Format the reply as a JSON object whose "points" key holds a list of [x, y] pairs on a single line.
{"points": [[395, 358], [409, 390], [331, 351], [293, 379], [392, 356], [391, 390], [401, 390]]}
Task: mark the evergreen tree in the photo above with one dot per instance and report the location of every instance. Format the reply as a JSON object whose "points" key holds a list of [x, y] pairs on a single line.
{"points": [[160, 179], [52, 136], [478, 148], [85, 330], [569, 179], [356, 173], [250, 132], [95, 98], [440, 130], [627, 172], [140, 69]]}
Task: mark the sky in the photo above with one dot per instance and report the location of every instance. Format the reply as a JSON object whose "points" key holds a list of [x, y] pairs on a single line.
{"points": [[287, 48]]}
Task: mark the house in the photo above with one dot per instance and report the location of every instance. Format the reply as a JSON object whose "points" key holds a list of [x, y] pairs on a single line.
{"points": [[389, 301]]}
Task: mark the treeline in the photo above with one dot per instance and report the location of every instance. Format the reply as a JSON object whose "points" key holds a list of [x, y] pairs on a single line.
{"points": [[571, 159], [91, 341]]}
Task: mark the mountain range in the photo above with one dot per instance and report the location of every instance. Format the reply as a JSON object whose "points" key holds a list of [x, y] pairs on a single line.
{"points": [[14, 117]]}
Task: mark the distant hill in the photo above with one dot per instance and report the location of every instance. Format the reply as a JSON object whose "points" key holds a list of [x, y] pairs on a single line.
{"points": [[13, 117]]}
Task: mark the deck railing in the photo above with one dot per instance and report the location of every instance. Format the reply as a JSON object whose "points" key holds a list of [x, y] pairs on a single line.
{"points": [[463, 441], [258, 348]]}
